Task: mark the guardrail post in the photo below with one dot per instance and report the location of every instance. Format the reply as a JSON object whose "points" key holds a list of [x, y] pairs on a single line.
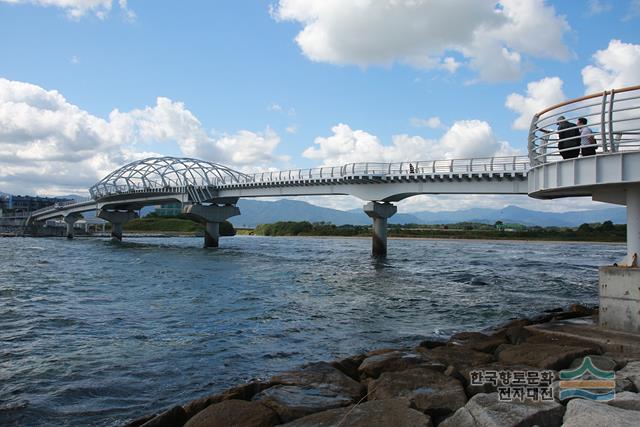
{"points": [[603, 132], [613, 145]]}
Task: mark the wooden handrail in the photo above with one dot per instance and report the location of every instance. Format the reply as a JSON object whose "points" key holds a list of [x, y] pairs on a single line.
{"points": [[583, 98]]}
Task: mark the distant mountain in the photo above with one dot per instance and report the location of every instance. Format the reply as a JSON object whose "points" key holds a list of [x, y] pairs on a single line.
{"points": [[514, 214], [256, 212]]}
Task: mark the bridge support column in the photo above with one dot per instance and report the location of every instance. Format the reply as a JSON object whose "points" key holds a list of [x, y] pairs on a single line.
{"points": [[633, 227], [379, 212], [71, 220], [211, 216], [117, 220]]}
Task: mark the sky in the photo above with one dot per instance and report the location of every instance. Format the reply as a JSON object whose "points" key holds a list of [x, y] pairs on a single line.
{"points": [[87, 86]]}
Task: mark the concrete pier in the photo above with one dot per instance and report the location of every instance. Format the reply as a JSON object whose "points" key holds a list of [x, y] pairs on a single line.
{"points": [[71, 219], [211, 216], [117, 220], [633, 227], [379, 212], [620, 299]]}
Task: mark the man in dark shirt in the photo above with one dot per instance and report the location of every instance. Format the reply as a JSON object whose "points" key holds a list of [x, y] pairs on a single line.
{"points": [[568, 137]]}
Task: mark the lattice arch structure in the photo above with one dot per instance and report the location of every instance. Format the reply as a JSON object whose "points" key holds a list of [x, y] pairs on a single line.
{"points": [[164, 172]]}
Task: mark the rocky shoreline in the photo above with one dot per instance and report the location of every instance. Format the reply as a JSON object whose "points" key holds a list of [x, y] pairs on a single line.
{"points": [[437, 383]]}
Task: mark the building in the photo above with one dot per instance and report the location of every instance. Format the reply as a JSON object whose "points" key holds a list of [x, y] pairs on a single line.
{"points": [[21, 206]]}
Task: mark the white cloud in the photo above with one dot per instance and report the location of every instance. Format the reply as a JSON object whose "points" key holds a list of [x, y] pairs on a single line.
{"points": [[291, 129], [493, 36], [465, 139], [274, 107], [48, 145], [76, 9], [74, 60], [450, 64], [616, 66], [540, 95], [431, 122], [597, 7], [634, 10]]}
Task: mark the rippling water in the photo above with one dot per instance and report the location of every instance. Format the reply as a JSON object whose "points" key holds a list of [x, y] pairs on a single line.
{"points": [[95, 333]]}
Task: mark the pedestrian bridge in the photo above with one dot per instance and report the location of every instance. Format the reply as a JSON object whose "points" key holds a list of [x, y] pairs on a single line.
{"points": [[209, 191]]}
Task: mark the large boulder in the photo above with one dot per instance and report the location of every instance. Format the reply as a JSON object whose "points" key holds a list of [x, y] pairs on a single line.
{"points": [[486, 410], [373, 366], [626, 400], [458, 356], [517, 334], [632, 372], [478, 341], [174, 417], [547, 356], [429, 391], [349, 366], [588, 413], [235, 412], [376, 413], [322, 375], [241, 392], [292, 402]]}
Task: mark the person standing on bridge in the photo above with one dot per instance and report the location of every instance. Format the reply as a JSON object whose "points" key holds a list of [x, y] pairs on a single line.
{"points": [[568, 137], [587, 140]]}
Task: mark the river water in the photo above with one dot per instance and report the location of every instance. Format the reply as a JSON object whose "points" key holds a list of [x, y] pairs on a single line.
{"points": [[95, 333]]}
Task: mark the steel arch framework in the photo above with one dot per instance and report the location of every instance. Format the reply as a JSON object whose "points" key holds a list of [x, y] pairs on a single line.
{"points": [[164, 172]]}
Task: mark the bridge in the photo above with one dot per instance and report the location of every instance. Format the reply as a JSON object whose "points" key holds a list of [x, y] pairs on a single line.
{"points": [[587, 147], [209, 192], [553, 168]]}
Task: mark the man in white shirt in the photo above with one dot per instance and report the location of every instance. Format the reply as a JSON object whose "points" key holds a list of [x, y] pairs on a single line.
{"points": [[587, 140]]}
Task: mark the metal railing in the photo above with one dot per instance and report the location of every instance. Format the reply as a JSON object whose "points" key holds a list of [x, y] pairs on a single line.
{"points": [[61, 205], [613, 125], [373, 169], [489, 165]]}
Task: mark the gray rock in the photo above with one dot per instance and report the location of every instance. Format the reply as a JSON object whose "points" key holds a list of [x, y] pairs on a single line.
{"points": [[349, 366], [458, 356], [322, 375], [517, 334], [632, 372], [241, 392], [139, 421], [599, 361], [430, 391], [587, 413], [292, 402], [488, 344], [235, 412], [373, 366], [626, 400], [173, 417], [547, 356], [376, 413], [486, 410]]}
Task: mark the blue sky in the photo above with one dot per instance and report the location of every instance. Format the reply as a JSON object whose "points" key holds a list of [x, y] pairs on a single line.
{"points": [[266, 84]]}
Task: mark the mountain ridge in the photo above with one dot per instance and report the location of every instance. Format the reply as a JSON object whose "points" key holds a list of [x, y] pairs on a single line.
{"points": [[254, 212]]}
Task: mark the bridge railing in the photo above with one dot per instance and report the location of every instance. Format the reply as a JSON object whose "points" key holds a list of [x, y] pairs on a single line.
{"points": [[61, 205], [613, 125], [376, 169]]}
